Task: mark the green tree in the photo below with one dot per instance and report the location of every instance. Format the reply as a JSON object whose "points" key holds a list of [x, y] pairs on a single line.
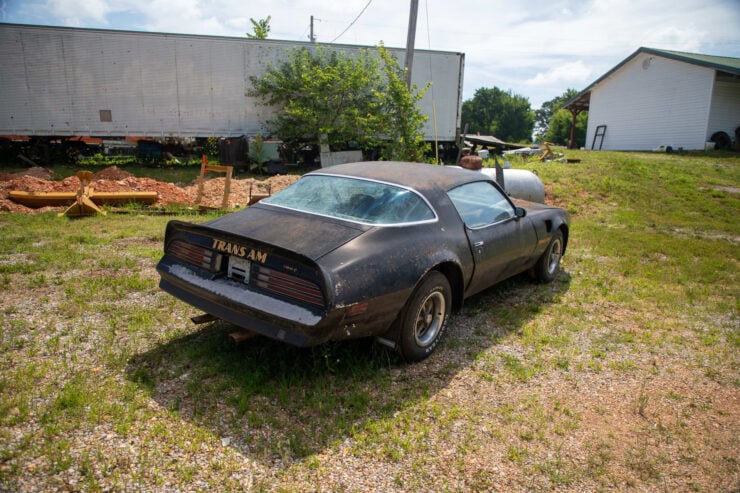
{"points": [[260, 28], [558, 130], [326, 94], [402, 120], [322, 92], [546, 113], [500, 113]]}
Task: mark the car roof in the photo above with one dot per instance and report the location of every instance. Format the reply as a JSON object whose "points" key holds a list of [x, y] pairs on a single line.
{"points": [[421, 177]]}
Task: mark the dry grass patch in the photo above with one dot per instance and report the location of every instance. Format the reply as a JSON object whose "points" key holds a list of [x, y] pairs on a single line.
{"points": [[621, 375]]}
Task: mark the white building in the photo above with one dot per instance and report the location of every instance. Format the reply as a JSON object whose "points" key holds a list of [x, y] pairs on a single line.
{"points": [[663, 98]]}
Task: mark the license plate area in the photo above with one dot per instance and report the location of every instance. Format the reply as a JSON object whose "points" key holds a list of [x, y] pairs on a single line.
{"points": [[238, 269]]}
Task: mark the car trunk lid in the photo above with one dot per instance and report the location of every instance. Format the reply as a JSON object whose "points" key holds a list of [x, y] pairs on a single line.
{"points": [[309, 235]]}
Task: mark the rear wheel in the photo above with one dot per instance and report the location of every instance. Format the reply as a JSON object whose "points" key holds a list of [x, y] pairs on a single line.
{"points": [[548, 266], [424, 318]]}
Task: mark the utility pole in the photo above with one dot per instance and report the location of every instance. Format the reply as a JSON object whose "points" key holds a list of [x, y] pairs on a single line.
{"points": [[410, 40], [312, 37]]}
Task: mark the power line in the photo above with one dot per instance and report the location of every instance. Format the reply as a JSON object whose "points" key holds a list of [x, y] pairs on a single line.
{"points": [[352, 23]]}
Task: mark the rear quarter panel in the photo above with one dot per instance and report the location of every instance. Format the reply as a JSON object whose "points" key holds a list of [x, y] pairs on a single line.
{"points": [[545, 220], [383, 266]]}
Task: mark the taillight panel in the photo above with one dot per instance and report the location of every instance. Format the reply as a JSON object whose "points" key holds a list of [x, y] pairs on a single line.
{"points": [[281, 277]]}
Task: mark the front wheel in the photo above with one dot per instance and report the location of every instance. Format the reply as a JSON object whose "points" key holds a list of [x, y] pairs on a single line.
{"points": [[424, 318], [548, 265]]}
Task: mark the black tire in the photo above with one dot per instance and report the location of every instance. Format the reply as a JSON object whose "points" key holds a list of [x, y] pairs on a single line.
{"points": [[548, 265], [722, 141], [424, 319]]}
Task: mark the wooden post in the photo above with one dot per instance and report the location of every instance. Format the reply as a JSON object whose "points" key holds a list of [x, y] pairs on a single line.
{"points": [[227, 187], [203, 164], [205, 168], [411, 40], [572, 140]]}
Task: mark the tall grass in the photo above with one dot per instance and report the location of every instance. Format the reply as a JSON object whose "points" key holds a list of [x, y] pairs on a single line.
{"points": [[93, 352]]}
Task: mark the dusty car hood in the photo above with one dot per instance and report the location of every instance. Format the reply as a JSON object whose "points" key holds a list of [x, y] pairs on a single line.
{"points": [[306, 234]]}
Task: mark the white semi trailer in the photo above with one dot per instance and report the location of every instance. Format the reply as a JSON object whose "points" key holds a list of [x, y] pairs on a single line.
{"points": [[62, 82]]}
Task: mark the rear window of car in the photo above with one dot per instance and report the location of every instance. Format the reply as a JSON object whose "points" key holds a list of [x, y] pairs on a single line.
{"points": [[354, 199]]}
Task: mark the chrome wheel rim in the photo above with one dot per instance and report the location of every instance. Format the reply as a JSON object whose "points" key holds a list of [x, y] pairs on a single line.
{"points": [[429, 319], [556, 253]]}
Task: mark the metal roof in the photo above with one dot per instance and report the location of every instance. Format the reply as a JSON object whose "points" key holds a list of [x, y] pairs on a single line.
{"points": [[489, 141], [728, 65]]}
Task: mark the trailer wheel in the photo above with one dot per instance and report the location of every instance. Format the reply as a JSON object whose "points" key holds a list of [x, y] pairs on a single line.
{"points": [[722, 141], [73, 149]]}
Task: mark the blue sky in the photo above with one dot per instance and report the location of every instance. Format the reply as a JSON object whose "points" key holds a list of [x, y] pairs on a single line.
{"points": [[537, 49]]}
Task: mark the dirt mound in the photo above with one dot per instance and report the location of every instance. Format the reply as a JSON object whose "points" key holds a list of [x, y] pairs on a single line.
{"points": [[38, 172], [241, 191], [35, 171], [113, 179], [168, 193], [112, 173]]}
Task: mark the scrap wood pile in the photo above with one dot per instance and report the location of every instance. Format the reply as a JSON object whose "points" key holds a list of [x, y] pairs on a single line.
{"points": [[113, 179]]}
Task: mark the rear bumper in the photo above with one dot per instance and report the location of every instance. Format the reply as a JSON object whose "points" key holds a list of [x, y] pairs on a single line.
{"points": [[238, 305]]}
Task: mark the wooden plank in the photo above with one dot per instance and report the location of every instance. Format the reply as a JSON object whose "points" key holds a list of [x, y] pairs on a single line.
{"points": [[218, 167], [123, 197], [42, 199], [241, 336]]}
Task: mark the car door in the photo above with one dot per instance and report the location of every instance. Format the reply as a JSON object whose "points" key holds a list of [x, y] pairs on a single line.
{"points": [[500, 238]]}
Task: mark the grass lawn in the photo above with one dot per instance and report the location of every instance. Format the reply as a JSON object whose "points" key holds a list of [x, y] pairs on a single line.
{"points": [[622, 374]]}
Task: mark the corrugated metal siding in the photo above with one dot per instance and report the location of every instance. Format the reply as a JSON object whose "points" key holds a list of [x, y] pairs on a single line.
{"points": [[57, 80], [725, 112], [153, 111], [153, 85], [650, 103]]}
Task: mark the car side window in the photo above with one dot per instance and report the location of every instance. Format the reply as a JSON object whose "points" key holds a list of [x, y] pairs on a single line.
{"points": [[480, 204]]}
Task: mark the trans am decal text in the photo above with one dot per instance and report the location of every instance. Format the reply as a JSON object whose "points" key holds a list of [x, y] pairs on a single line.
{"points": [[239, 251]]}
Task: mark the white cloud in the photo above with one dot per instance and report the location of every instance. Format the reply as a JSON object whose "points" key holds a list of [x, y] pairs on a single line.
{"points": [[73, 12], [182, 16], [681, 39], [566, 74]]}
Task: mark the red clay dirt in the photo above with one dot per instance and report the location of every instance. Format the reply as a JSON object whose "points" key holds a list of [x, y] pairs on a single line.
{"points": [[114, 179]]}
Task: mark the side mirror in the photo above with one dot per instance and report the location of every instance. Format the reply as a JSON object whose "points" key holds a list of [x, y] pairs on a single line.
{"points": [[520, 212]]}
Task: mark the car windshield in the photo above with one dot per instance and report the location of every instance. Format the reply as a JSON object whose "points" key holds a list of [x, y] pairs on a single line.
{"points": [[354, 199]]}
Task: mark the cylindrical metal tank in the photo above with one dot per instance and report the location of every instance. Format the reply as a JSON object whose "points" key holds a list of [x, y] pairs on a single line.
{"points": [[520, 184]]}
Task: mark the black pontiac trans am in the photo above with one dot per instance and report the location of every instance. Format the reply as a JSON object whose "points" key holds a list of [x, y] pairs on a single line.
{"points": [[381, 249]]}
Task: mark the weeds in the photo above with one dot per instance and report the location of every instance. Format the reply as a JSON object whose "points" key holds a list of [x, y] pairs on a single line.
{"points": [[604, 379]]}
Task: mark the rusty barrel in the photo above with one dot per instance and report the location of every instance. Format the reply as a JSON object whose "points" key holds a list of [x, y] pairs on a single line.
{"points": [[471, 162]]}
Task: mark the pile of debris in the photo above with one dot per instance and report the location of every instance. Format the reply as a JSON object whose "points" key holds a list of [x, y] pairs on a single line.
{"points": [[113, 179]]}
